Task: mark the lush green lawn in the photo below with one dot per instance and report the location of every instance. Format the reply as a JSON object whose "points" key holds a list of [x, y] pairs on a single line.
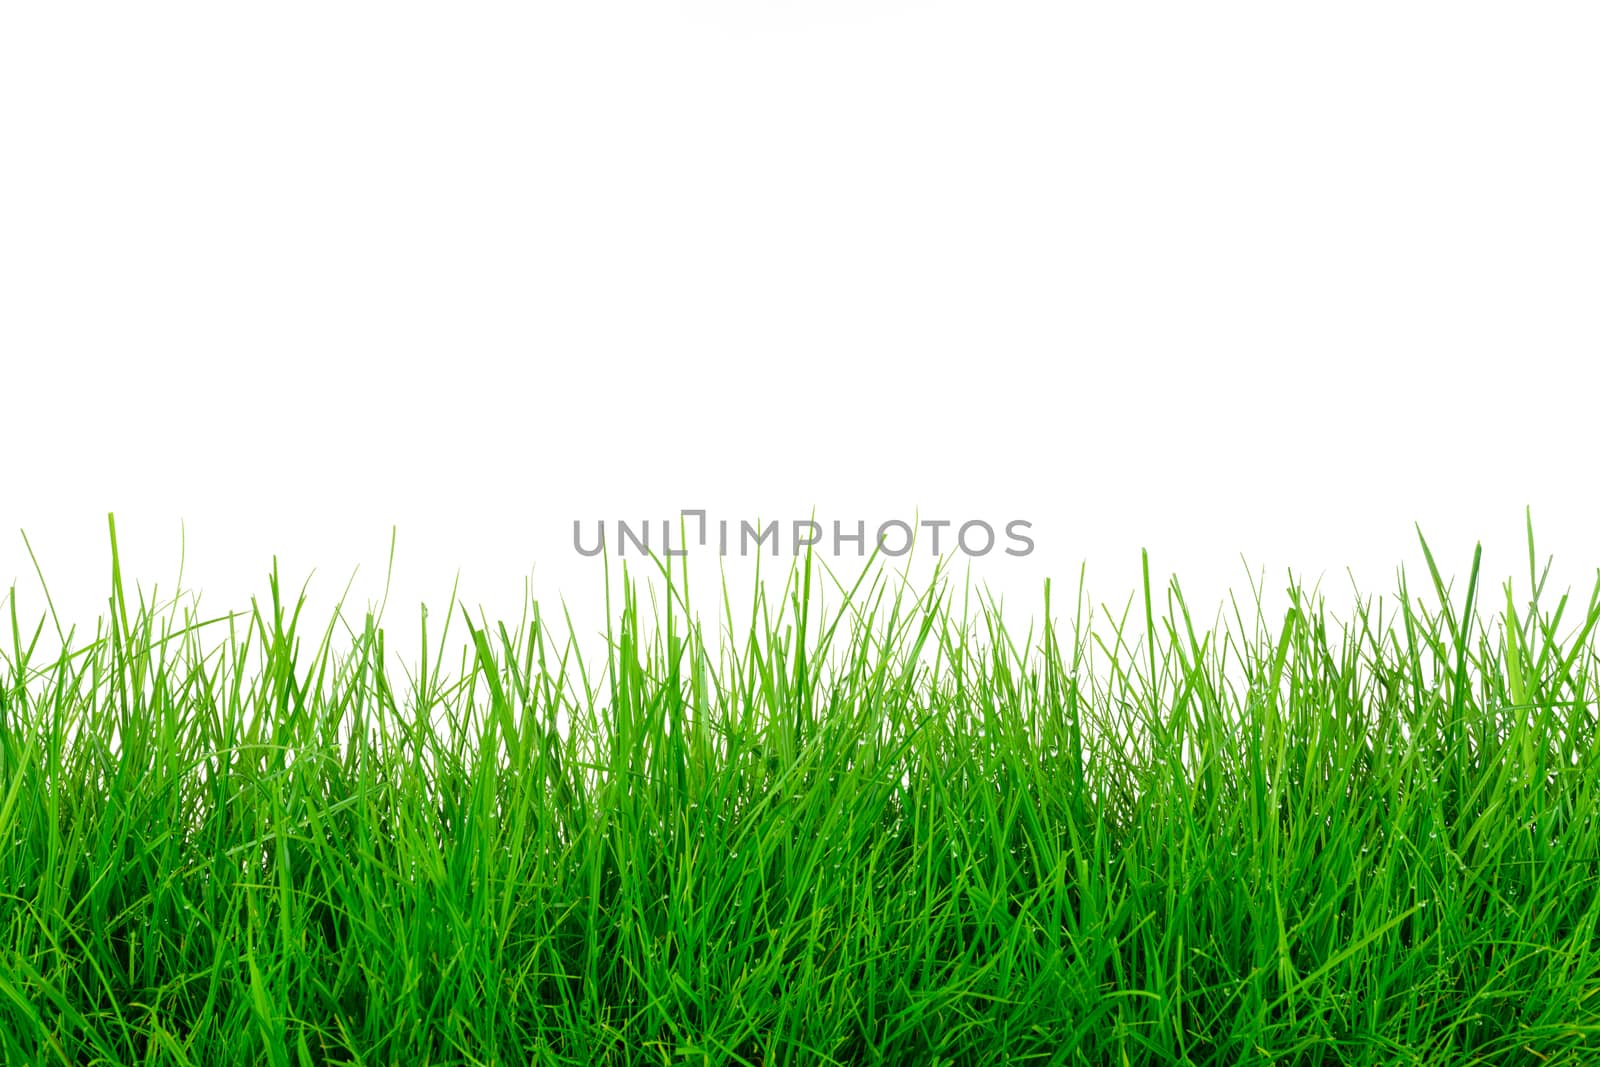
{"points": [[894, 831]]}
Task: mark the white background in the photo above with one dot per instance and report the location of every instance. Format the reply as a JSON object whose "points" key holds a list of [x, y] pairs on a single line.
{"points": [[1216, 279]]}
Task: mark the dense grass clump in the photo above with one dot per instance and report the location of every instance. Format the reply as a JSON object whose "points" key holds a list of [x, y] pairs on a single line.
{"points": [[889, 831]]}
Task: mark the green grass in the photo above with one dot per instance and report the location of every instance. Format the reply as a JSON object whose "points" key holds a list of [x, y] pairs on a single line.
{"points": [[893, 830]]}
